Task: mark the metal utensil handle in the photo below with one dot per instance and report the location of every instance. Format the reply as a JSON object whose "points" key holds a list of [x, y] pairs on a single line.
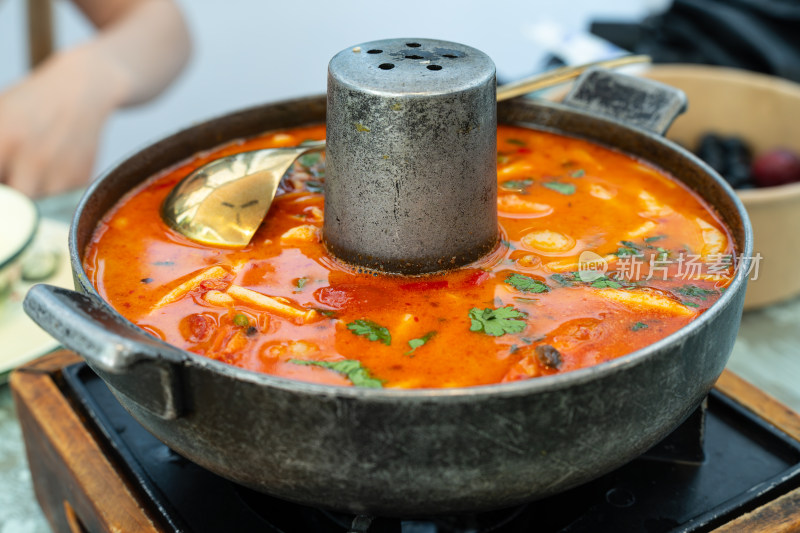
{"points": [[638, 102], [312, 146], [561, 75]]}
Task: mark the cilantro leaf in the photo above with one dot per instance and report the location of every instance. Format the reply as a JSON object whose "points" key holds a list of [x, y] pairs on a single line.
{"points": [[563, 188], [562, 280], [309, 160], [578, 173], [690, 304], [371, 330], [517, 185], [301, 282], [352, 370], [416, 343], [638, 326], [315, 186], [693, 291], [663, 254], [526, 283], [571, 279], [496, 322], [655, 238], [624, 251], [515, 141], [629, 248], [605, 283]]}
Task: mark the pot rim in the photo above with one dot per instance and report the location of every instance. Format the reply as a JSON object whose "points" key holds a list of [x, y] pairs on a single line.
{"points": [[536, 385]]}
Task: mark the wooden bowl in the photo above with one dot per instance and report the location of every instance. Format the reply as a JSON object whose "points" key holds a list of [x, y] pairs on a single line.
{"points": [[765, 111]]}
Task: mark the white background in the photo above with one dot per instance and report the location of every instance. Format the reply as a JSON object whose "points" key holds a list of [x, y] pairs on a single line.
{"points": [[249, 52]]}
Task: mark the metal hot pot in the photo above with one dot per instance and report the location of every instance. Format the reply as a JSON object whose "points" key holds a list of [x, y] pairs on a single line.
{"points": [[408, 452]]}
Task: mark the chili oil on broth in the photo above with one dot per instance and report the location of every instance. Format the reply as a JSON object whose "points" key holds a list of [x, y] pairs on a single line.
{"points": [[283, 306]]}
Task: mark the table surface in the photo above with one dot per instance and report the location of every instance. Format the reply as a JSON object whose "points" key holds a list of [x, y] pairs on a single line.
{"points": [[766, 353]]}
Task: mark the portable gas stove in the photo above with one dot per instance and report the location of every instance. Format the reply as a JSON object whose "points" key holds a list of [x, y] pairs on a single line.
{"points": [[96, 469]]}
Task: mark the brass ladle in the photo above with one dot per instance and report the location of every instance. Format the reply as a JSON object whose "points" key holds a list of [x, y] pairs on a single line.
{"points": [[224, 202]]}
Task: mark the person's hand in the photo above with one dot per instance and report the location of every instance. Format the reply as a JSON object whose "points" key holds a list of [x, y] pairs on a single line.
{"points": [[50, 122]]}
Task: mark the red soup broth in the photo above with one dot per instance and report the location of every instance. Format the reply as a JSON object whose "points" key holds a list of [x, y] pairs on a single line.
{"points": [[655, 256]]}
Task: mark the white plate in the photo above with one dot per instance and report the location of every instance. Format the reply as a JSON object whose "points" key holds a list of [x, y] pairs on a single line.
{"points": [[20, 338], [18, 212]]}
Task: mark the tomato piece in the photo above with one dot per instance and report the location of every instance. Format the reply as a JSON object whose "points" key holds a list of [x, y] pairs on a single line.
{"points": [[333, 297], [215, 285], [476, 279], [425, 285], [197, 327], [346, 294]]}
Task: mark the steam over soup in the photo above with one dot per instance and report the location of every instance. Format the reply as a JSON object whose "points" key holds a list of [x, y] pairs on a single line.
{"points": [[600, 255]]}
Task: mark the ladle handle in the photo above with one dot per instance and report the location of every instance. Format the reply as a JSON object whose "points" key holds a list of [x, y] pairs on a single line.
{"points": [[561, 75], [111, 345], [312, 146], [638, 102]]}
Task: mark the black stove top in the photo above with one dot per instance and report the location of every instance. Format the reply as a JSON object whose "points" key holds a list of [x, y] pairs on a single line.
{"points": [[747, 462]]}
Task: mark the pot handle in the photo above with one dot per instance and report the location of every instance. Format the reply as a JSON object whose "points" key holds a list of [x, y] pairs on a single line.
{"points": [[84, 326], [638, 102], [112, 346]]}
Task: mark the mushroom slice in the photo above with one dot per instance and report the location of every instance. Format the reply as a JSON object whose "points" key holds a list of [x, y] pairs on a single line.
{"points": [[192, 283], [640, 300], [644, 229], [529, 261], [512, 203], [653, 207], [603, 193], [548, 241], [267, 303], [714, 240], [517, 168], [300, 235], [218, 298], [316, 214]]}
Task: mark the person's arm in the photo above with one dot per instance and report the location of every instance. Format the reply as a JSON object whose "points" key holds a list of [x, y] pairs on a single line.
{"points": [[50, 122]]}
